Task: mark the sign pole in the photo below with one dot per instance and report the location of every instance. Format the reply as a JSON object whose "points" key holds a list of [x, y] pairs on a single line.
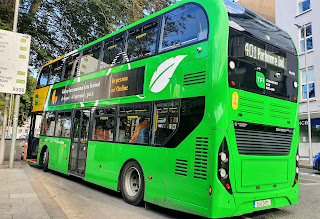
{"points": [[14, 130], [17, 100], [3, 135], [9, 118]]}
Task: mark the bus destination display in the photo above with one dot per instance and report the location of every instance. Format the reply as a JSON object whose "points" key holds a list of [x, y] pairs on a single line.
{"points": [[254, 52]]}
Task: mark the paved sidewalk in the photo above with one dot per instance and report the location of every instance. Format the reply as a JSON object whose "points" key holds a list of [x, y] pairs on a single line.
{"points": [[18, 195]]}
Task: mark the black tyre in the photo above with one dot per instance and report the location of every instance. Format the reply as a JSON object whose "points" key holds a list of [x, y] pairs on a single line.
{"points": [[132, 183], [318, 165], [45, 160]]}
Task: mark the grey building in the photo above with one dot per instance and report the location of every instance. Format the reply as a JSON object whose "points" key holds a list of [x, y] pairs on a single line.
{"points": [[290, 16]]}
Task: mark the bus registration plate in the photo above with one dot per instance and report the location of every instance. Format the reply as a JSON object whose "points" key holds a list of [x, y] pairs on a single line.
{"points": [[263, 203]]}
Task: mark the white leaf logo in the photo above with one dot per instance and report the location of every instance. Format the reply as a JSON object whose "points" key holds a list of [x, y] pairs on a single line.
{"points": [[163, 74]]}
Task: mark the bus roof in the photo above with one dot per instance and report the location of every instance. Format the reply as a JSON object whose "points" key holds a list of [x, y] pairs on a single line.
{"points": [[246, 21]]}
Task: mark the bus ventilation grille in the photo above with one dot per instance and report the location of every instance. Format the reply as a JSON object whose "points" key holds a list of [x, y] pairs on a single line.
{"points": [[181, 167], [280, 111], [263, 143], [251, 106], [201, 158], [194, 78]]}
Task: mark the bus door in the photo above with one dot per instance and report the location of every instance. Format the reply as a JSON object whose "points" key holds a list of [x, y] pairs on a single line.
{"points": [[34, 133], [79, 142]]}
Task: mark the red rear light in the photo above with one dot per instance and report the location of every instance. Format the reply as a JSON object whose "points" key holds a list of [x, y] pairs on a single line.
{"points": [[233, 83], [295, 98], [295, 180], [228, 186]]}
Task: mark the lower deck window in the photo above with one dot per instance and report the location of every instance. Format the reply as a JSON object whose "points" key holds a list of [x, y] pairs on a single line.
{"points": [[103, 128]]}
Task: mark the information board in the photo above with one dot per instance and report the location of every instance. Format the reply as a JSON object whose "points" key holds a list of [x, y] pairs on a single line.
{"points": [[14, 61]]}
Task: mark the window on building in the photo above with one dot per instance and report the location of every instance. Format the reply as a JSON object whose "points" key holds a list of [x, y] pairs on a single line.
{"points": [[48, 124], [134, 124], [63, 126], [104, 124], [184, 25], [303, 5], [308, 38], [310, 81]]}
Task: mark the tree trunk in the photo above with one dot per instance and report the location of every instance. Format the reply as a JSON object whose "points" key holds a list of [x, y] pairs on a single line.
{"points": [[34, 7]]}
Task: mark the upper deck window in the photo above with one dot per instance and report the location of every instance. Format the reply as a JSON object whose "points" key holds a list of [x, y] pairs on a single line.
{"points": [[90, 59], [71, 67], [113, 52], [56, 72], [249, 23], [184, 25], [142, 41], [44, 76]]}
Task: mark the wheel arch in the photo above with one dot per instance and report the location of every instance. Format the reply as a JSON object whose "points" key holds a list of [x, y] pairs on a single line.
{"points": [[43, 150], [120, 172]]}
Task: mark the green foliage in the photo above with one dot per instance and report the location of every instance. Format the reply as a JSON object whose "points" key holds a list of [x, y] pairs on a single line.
{"points": [[60, 26]]}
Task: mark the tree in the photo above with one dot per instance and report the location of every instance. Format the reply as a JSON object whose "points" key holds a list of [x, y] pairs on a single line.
{"points": [[60, 26]]}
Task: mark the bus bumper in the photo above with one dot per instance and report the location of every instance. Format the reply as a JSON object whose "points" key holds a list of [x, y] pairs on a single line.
{"points": [[242, 203]]}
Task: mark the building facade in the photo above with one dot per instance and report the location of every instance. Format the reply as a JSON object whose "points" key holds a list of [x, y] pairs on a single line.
{"points": [[265, 8], [293, 16]]}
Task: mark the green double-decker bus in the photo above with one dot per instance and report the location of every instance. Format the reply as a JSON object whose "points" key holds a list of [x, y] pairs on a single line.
{"points": [[193, 108]]}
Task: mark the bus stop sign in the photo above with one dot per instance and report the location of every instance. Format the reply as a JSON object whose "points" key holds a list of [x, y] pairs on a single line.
{"points": [[14, 61]]}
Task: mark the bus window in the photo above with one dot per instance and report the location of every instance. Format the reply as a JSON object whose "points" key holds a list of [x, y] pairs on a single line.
{"points": [[167, 119], [63, 126], [56, 72], [184, 25], [44, 77], [71, 67], [90, 60], [48, 124], [113, 52], [104, 125], [134, 124], [142, 41]]}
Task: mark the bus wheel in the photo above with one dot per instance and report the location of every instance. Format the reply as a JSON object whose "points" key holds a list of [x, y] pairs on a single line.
{"points": [[45, 160], [132, 183]]}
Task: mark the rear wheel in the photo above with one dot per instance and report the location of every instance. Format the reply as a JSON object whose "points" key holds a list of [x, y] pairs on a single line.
{"points": [[132, 183], [318, 165], [45, 160]]}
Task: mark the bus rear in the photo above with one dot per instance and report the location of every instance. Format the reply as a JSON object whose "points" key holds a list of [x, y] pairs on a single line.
{"points": [[257, 161]]}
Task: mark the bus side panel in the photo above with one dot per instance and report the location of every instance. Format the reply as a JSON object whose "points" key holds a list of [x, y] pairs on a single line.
{"points": [[100, 165], [145, 156], [59, 149]]}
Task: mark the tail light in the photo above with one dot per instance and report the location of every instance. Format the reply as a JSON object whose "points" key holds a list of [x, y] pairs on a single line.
{"points": [[223, 166], [296, 178]]}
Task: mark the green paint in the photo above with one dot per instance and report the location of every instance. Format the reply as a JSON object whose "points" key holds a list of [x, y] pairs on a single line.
{"points": [[261, 80], [187, 193]]}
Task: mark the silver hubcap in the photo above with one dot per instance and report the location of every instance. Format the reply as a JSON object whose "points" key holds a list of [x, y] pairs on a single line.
{"points": [[44, 157], [132, 181]]}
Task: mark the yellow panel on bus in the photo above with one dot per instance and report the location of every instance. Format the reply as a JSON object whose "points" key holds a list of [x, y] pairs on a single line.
{"points": [[39, 99]]}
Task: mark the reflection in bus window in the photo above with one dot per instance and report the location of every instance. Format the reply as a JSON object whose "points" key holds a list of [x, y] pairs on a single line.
{"points": [[90, 60], [48, 124], [142, 41], [44, 77], [63, 126], [71, 67], [56, 72], [134, 124], [184, 25], [113, 52], [167, 119]]}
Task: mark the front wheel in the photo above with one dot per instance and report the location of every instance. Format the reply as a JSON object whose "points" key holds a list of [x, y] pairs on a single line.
{"points": [[45, 160], [132, 183]]}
